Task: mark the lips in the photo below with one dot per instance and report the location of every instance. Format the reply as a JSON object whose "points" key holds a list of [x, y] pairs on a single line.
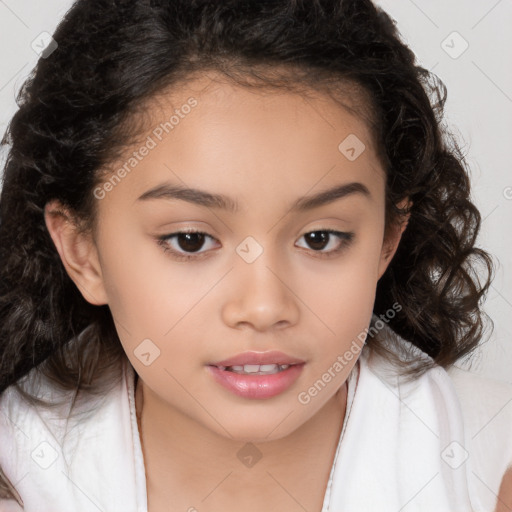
{"points": [[257, 375]]}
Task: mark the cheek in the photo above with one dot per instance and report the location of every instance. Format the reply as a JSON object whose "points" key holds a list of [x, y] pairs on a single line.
{"points": [[345, 288], [345, 306], [134, 280], [343, 295], [150, 298]]}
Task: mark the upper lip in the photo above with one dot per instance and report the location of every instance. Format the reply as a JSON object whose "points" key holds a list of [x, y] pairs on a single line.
{"points": [[260, 358]]}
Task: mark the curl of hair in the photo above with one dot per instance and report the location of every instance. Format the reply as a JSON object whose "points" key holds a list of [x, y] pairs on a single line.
{"points": [[81, 107]]}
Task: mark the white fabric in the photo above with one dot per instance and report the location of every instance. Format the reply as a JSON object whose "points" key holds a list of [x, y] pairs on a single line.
{"points": [[402, 448]]}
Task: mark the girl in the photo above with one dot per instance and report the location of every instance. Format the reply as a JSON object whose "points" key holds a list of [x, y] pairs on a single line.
{"points": [[300, 356]]}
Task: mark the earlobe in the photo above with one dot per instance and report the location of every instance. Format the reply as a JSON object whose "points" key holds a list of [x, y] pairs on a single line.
{"points": [[77, 252]]}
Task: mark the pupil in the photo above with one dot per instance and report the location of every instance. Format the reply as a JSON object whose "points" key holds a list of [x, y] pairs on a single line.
{"points": [[190, 241], [317, 237]]}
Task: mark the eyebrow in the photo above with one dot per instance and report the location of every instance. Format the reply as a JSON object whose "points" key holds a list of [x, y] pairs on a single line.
{"points": [[221, 201]]}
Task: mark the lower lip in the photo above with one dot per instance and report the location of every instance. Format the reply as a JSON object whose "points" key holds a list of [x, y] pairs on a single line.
{"points": [[257, 386]]}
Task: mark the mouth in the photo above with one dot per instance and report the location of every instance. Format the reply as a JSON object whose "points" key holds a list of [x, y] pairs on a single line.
{"points": [[257, 375], [255, 369], [251, 362]]}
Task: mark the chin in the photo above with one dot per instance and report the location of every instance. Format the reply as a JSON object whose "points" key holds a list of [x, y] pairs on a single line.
{"points": [[261, 427]]}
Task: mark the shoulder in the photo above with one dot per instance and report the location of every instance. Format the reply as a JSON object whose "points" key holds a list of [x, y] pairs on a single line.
{"points": [[487, 409], [478, 407], [486, 405], [60, 451]]}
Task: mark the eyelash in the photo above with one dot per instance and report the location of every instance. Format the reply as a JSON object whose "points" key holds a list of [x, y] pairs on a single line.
{"points": [[346, 239]]}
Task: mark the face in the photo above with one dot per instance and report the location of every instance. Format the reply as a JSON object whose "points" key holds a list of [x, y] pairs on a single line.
{"points": [[263, 268]]}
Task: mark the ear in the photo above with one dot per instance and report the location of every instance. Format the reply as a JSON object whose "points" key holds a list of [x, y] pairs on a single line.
{"points": [[77, 251], [393, 238]]}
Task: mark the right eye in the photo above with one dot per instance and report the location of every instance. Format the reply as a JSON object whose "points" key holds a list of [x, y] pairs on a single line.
{"points": [[189, 241]]}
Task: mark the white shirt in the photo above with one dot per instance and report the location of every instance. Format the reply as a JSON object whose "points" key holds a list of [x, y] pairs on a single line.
{"points": [[440, 443]]}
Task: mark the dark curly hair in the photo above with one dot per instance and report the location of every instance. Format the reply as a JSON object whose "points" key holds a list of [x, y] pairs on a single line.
{"points": [[79, 108]]}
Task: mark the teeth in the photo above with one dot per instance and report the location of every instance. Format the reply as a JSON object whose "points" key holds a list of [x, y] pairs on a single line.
{"points": [[268, 367], [251, 368], [256, 369]]}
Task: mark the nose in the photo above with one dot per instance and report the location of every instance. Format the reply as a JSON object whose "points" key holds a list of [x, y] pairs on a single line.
{"points": [[260, 296]]}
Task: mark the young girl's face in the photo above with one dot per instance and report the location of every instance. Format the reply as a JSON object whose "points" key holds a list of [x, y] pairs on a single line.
{"points": [[265, 276]]}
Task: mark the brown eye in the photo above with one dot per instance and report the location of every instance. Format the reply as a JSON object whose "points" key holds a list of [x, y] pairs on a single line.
{"points": [[184, 244], [320, 239], [190, 242], [317, 239], [187, 245]]}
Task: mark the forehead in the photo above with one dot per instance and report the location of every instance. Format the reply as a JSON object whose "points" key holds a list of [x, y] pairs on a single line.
{"points": [[225, 108], [241, 141]]}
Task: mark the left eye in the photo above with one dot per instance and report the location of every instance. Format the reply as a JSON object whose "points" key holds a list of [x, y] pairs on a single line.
{"points": [[322, 237], [192, 241]]}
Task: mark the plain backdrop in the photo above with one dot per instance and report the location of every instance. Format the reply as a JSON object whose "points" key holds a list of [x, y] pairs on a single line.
{"points": [[466, 43]]}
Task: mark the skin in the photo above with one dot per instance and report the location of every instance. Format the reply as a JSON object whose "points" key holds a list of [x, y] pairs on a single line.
{"points": [[265, 151], [504, 501]]}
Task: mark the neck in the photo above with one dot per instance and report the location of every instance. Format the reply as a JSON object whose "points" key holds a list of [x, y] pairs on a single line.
{"points": [[190, 459]]}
